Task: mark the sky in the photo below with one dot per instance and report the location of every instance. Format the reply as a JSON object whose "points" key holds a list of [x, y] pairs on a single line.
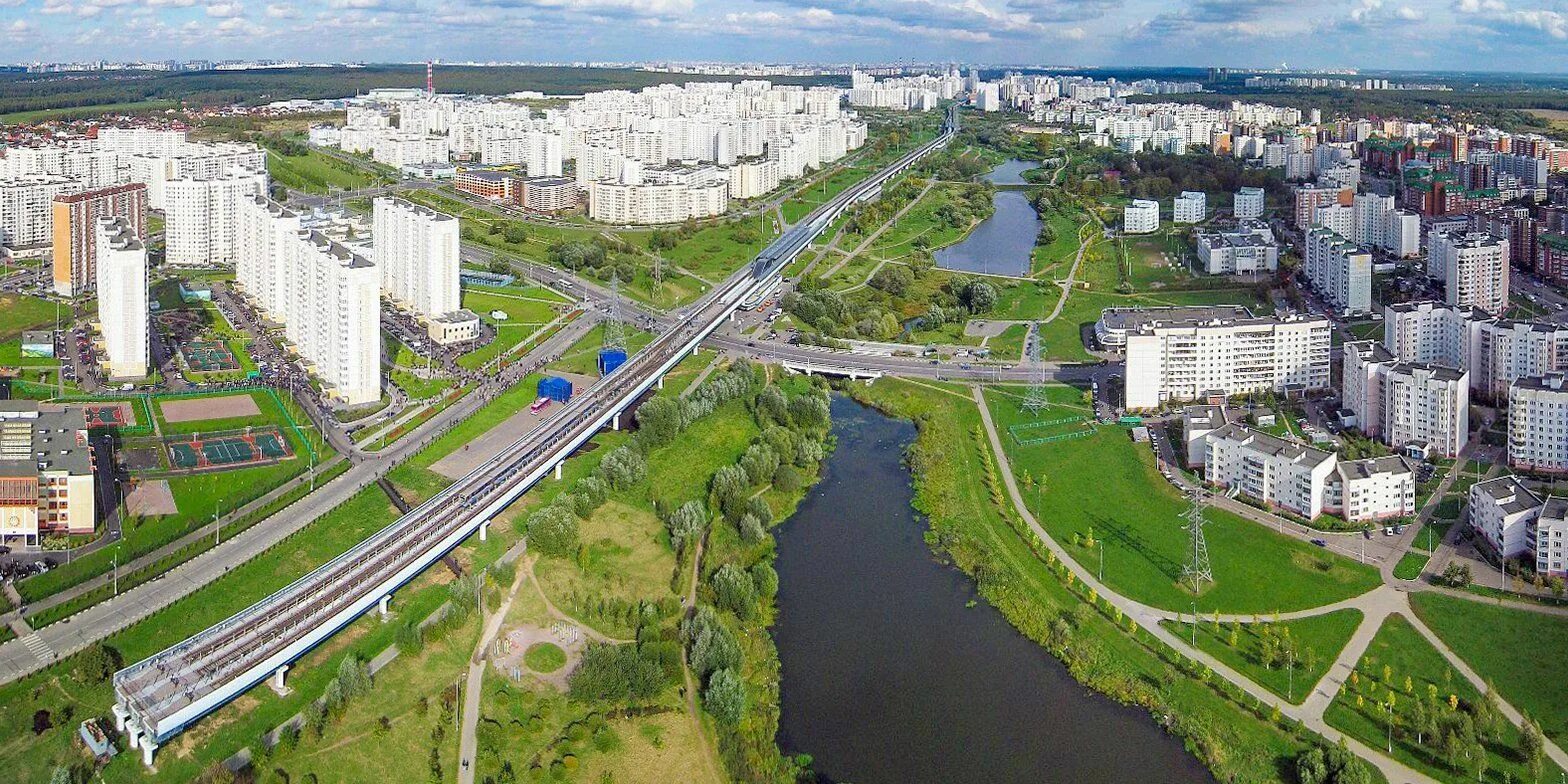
{"points": [[1450, 35]]}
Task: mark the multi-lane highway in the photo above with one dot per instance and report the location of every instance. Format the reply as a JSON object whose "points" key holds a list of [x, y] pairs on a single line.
{"points": [[158, 697]]}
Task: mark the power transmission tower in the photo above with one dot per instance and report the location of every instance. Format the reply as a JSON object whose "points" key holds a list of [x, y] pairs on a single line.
{"points": [[615, 322], [1035, 399], [1197, 569]]}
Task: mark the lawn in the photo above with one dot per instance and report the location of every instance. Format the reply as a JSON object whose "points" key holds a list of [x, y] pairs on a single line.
{"points": [[1313, 641], [583, 357], [544, 657], [1009, 346], [1505, 646], [1402, 653], [1146, 546], [1410, 565], [315, 172], [525, 315], [19, 313]]}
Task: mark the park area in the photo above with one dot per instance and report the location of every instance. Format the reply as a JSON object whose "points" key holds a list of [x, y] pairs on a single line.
{"points": [[1065, 478]]}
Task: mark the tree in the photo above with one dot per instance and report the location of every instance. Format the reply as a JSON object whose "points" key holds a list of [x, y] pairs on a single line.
{"points": [[759, 463], [735, 590], [354, 675], [1532, 746], [1456, 575], [1326, 764], [725, 696], [515, 234], [751, 531], [978, 296], [61, 775], [553, 531], [894, 279], [772, 407], [710, 645], [729, 486], [623, 467], [765, 578], [687, 524], [97, 663], [660, 420], [809, 412]]}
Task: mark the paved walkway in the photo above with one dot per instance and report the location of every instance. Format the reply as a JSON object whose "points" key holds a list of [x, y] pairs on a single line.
{"points": [[468, 743]]}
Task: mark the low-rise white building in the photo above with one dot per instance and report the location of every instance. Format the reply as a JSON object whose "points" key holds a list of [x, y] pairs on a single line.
{"points": [[1189, 207], [1502, 511], [1141, 216], [1248, 203], [1248, 249], [1197, 422], [1548, 538], [1538, 424], [1268, 469], [1377, 488]]}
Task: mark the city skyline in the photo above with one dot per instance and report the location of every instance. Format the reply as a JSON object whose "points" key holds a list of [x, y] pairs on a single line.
{"points": [[1451, 35]]}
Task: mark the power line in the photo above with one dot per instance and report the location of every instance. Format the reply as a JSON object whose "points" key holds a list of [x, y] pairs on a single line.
{"points": [[1198, 569], [1035, 400]]}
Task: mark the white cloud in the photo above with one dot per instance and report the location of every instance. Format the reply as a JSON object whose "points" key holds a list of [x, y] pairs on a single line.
{"points": [[281, 11], [19, 27], [225, 10]]}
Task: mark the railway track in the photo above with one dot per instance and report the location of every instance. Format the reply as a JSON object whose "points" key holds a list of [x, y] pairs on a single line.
{"points": [[158, 697]]}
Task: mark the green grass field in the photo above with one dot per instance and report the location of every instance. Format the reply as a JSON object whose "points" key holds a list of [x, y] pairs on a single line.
{"points": [[1406, 654], [526, 314], [315, 172], [1504, 645], [1145, 544], [19, 313], [1315, 642], [78, 112], [1410, 565]]}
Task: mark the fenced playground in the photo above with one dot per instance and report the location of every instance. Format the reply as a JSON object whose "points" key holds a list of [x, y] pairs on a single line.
{"points": [[208, 356], [105, 415], [1048, 431], [231, 449]]}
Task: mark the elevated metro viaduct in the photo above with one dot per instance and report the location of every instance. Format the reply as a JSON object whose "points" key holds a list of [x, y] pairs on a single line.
{"points": [[158, 697]]}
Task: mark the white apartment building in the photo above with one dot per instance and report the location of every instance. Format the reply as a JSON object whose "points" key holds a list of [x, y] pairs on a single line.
{"points": [[1189, 207], [538, 152], [1277, 472], [1197, 422], [1403, 239], [750, 179], [416, 250], [1406, 404], [1248, 249], [200, 218], [1502, 510], [1170, 361], [1377, 488], [27, 208], [399, 150], [1141, 216], [1548, 538], [1339, 270], [1473, 267], [326, 296], [1338, 218], [122, 297], [1495, 351], [193, 161], [1248, 204], [1538, 424], [1373, 213]]}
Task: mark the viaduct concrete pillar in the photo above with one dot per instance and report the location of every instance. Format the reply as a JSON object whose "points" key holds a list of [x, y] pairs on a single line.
{"points": [[615, 423], [381, 606], [484, 530], [148, 747], [120, 715], [661, 382], [276, 682], [557, 472]]}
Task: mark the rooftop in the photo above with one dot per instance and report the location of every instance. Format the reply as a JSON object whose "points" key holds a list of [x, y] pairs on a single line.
{"points": [[1277, 447], [1507, 493]]}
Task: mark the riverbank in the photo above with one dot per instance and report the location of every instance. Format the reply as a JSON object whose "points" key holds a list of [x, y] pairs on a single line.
{"points": [[958, 489]]}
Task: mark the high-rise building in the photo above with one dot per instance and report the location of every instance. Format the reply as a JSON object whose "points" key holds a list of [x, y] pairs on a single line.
{"points": [[1340, 271], [121, 270], [1195, 359], [1538, 424], [75, 220], [1473, 267], [27, 211], [326, 296], [200, 218], [1309, 197], [416, 250], [1406, 404]]}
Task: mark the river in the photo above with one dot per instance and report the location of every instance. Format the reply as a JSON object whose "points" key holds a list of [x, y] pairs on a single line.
{"points": [[894, 668], [1002, 243]]}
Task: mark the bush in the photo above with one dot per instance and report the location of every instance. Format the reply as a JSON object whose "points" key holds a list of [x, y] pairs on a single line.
{"points": [[725, 697], [97, 663], [1456, 575], [616, 673], [553, 531]]}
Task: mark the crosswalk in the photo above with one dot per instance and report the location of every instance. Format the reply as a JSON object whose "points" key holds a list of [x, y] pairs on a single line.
{"points": [[39, 648]]}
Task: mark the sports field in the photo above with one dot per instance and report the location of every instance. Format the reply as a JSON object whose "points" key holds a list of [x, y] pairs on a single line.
{"points": [[208, 356], [198, 408], [200, 452]]}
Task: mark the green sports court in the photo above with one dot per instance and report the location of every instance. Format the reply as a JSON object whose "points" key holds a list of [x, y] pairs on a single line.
{"points": [[208, 356], [201, 452]]}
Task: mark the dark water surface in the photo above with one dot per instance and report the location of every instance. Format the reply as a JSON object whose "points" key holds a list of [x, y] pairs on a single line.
{"points": [[889, 678], [1011, 172], [1001, 244]]}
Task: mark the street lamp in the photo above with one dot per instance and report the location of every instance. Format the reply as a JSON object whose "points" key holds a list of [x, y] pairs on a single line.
{"points": [[216, 529], [1195, 624]]}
